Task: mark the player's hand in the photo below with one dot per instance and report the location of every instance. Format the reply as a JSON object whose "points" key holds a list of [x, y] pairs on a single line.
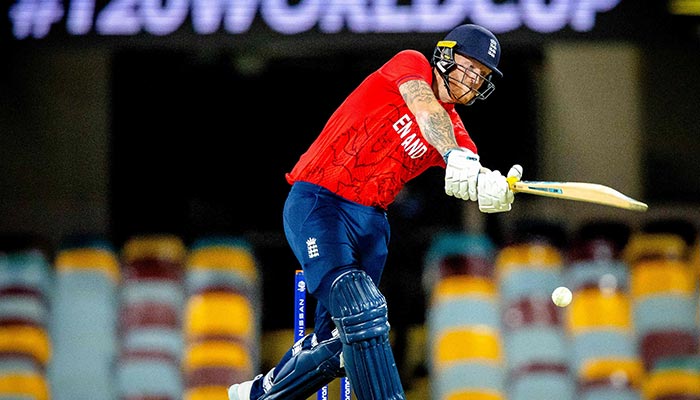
{"points": [[460, 174], [494, 191]]}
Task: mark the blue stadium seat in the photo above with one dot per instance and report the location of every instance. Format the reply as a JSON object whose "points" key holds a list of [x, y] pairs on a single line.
{"points": [[538, 385], [536, 344], [468, 376], [83, 323], [149, 377]]}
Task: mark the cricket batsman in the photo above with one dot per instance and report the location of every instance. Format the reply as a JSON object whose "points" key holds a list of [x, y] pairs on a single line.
{"points": [[398, 122]]}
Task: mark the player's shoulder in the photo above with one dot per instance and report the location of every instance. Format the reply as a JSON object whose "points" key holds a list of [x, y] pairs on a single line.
{"points": [[410, 55], [408, 60]]}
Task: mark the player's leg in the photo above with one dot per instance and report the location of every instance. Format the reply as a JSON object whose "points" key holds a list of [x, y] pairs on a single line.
{"points": [[342, 247], [314, 361], [305, 368], [360, 313]]}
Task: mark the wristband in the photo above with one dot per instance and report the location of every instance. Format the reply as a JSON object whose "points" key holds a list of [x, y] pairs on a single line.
{"points": [[471, 158]]}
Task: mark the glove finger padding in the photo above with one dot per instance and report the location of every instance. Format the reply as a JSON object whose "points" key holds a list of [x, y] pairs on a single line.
{"points": [[516, 171], [461, 174], [494, 195]]}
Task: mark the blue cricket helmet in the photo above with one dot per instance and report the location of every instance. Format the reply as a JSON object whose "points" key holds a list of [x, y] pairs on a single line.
{"points": [[476, 42]]}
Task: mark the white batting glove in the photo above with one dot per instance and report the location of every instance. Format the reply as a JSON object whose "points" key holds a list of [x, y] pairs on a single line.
{"points": [[494, 192], [460, 174]]}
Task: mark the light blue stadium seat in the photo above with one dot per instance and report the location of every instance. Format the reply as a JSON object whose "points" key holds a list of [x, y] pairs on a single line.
{"points": [[462, 311], [603, 272], [161, 340], [528, 282], [459, 243], [601, 344], [12, 363], [542, 344], [24, 307], [227, 241], [468, 375], [664, 313], [197, 280], [541, 385], [83, 327], [610, 393], [146, 377], [26, 269], [155, 291]]}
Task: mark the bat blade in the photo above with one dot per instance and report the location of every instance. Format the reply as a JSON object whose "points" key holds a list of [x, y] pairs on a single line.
{"points": [[579, 191]]}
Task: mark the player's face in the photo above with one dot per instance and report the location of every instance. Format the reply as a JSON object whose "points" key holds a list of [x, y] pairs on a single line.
{"points": [[467, 78]]}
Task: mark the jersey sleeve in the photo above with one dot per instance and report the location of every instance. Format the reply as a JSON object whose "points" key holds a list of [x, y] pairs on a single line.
{"points": [[407, 65]]}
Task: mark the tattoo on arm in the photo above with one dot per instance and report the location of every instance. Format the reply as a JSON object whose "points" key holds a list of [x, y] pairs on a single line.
{"points": [[433, 120]]}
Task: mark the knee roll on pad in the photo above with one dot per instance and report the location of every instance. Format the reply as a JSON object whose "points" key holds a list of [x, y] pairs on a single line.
{"points": [[359, 312]]}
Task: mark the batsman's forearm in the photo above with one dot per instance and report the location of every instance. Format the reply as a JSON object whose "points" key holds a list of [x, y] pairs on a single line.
{"points": [[437, 130], [433, 120]]}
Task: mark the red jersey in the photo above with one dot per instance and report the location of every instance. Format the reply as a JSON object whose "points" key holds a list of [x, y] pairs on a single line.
{"points": [[372, 145]]}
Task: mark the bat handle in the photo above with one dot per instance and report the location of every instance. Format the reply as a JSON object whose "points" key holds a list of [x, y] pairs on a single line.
{"points": [[511, 181]]}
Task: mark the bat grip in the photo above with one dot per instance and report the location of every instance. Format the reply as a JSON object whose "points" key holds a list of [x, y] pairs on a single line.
{"points": [[511, 181]]}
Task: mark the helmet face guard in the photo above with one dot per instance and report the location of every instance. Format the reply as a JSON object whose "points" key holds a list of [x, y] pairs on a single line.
{"points": [[443, 60]]}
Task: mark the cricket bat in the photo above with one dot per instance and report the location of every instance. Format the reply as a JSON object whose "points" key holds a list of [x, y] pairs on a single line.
{"points": [[578, 191]]}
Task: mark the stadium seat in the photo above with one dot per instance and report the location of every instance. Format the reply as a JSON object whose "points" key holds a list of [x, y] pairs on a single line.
{"points": [[672, 383], [83, 322], [468, 380], [212, 313], [648, 246], [605, 275], [656, 346], [148, 375], [458, 254], [542, 383], [27, 385], [151, 303], [535, 345]]}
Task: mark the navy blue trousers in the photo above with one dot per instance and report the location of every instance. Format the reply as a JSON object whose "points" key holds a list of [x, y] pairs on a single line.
{"points": [[330, 235]]}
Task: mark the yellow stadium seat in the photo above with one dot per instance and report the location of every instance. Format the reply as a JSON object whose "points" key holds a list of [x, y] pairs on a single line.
{"points": [[459, 285], [473, 343], [474, 395], [669, 382], [536, 255], [31, 385], [654, 245], [224, 257], [206, 393], [87, 259], [592, 309], [274, 343], [25, 339], [218, 313], [216, 353], [629, 369], [164, 247], [694, 258], [661, 276]]}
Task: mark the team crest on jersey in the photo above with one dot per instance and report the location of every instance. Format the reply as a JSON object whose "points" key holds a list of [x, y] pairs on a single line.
{"points": [[312, 247]]}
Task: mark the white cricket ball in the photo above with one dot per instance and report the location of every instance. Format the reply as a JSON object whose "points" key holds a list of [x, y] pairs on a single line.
{"points": [[562, 296]]}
